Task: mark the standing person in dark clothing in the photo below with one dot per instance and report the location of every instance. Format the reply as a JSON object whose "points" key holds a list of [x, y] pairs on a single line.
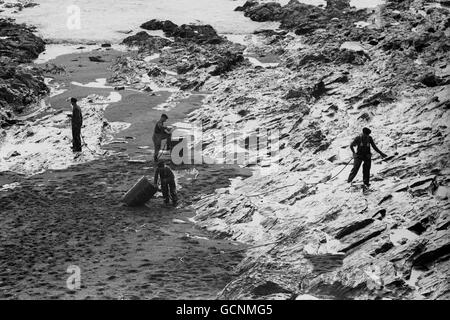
{"points": [[168, 187], [77, 123], [161, 132], [363, 154]]}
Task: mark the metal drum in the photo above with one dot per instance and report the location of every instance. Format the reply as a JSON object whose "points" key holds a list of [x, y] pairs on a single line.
{"points": [[141, 192]]}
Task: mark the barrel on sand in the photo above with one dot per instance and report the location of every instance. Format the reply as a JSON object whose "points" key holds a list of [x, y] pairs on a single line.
{"points": [[140, 193]]}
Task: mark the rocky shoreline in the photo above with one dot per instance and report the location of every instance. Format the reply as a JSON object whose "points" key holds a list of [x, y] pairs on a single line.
{"points": [[386, 69], [331, 71], [340, 69]]}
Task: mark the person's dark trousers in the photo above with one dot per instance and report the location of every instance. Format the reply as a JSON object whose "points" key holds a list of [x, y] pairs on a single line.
{"points": [[157, 140], [358, 160], [169, 191], [76, 139]]}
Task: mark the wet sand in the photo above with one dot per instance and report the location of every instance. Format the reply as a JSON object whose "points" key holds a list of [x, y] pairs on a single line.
{"points": [[74, 216]]}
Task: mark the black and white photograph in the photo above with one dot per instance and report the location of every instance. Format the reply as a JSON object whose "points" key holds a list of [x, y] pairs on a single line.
{"points": [[225, 150]]}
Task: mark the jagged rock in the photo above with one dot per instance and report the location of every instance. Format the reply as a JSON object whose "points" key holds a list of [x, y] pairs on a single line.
{"points": [[431, 80], [227, 62], [318, 90], [352, 52], [303, 18], [144, 40], [296, 93], [243, 113], [30, 5], [352, 227], [190, 85], [385, 198], [156, 72], [20, 87], [167, 26], [247, 4], [385, 247], [434, 283], [421, 180], [325, 262], [426, 188], [379, 96], [18, 42], [314, 139], [437, 247], [184, 68], [263, 12], [338, 4], [355, 239], [50, 68], [336, 78], [12, 154], [197, 33]]}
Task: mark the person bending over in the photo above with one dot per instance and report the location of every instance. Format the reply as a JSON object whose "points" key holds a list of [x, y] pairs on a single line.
{"points": [[168, 186]]}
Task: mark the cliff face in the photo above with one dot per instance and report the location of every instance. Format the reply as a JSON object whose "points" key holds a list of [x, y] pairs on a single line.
{"points": [[20, 84], [389, 72]]}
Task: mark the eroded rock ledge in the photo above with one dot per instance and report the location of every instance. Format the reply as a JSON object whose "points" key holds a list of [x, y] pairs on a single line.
{"points": [[195, 53], [20, 83], [387, 69]]}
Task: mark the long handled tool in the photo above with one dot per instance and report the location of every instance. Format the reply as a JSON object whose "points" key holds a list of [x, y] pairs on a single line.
{"points": [[86, 145], [342, 169]]}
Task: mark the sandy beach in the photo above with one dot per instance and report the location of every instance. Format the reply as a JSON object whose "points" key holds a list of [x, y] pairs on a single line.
{"points": [[74, 216]]}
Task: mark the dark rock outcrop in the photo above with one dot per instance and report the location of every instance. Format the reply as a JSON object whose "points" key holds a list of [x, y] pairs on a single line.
{"points": [[20, 85], [299, 17], [191, 32], [226, 62], [204, 54], [18, 42], [167, 26]]}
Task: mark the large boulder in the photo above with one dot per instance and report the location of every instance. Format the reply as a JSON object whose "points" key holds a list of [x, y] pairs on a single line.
{"points": [[247, 5], [227, 61], [270, 11], [144, 40], [338, 4], [20, 85], [167, 26], [197, 33]]}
